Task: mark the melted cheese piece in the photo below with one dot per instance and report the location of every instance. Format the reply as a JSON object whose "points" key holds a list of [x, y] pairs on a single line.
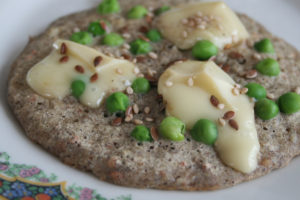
{"points": [[51, 78], [190, 103], [215, 21]]}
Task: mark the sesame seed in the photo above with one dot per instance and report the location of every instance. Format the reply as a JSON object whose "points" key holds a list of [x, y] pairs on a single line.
{"points": [[137, 121], [128, 118], [141, 75], [237, 86], [135, 108], [244, 90], [129, 90], [184, 34], [134, 60], [126, 46], [235, 91], [270, 96], [256, 56], [153, 55], [128, 111], [220, 27], [199, 14], [136, 70], [76, 29], [221, 106], [169, 83], [144, 38], [149, 119], [147, 110], [119, 71], [126, 35], [190, 82], [202, 26], [221, 121], [184, 21], [151, 72]]}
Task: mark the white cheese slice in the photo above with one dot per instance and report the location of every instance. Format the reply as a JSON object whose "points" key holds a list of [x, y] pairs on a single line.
{"points": [[52, 78], [215, 21], [191, 102]]}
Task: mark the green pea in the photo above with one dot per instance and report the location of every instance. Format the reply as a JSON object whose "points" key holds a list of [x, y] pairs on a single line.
{"points": [[113, 39], [269, 67], [162, 10], [108, 6], [172, 128], [266, 109], [82, 37], [95, 28], [137, 12], [116, 102], [77, 88], [140, 46], [204, 49], [264, 46], [256, 90], [141, 85], [154, 35], [289, 103], [205, 131], [141, 133]]}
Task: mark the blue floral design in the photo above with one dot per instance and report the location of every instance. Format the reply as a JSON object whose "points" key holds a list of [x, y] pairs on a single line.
{"points": [[51, 192], [10, 194], [18, 186]]}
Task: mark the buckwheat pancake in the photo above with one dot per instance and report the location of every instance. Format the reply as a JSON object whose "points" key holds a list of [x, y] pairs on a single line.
{"points": [[92, 140]]}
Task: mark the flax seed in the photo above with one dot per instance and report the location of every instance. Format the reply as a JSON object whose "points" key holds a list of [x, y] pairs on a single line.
{"points": [[214, 101], [79, 69], [154, 133], [117, 121], [97, 61], [229, 115], [233, 124], [64, 59], [94, 77], [63, 48]]}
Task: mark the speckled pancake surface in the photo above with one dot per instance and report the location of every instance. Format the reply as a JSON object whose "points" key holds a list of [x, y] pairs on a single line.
{"points": [[88, 139]]}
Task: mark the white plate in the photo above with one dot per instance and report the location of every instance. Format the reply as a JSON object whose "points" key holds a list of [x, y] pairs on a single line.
{"points": [[19, 19]]}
